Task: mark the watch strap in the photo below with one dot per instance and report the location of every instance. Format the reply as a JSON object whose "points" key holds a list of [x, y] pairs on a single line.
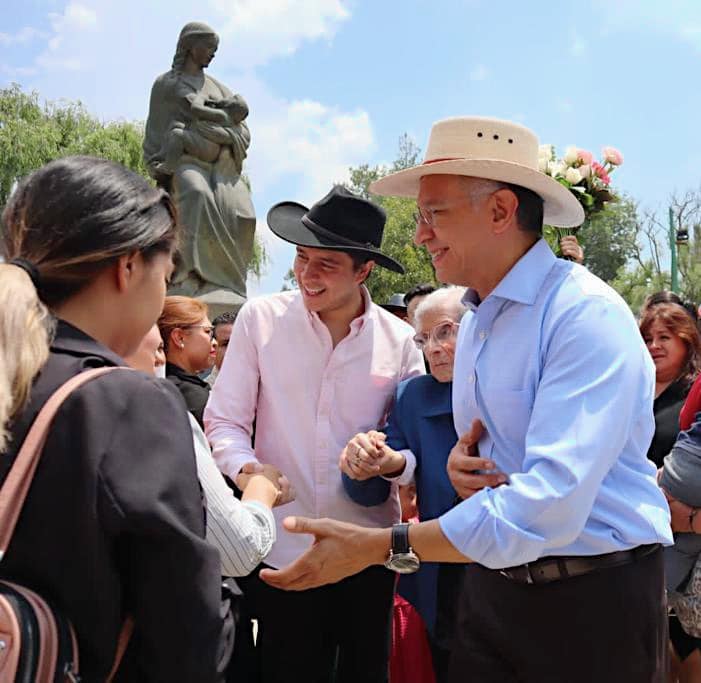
{"points": [[400, 539]]}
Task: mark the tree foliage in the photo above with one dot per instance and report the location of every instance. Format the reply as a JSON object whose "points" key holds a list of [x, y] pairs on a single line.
{"points": [[32, 134], [398, 240]]}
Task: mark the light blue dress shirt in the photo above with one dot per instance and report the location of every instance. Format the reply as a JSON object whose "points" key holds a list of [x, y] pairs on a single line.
{"points": [[553, 364]]}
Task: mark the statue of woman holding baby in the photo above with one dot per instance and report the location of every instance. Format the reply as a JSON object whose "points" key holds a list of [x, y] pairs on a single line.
{"points": [[196, 141]]}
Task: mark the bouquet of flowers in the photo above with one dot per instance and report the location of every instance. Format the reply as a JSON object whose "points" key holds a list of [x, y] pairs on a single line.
{"points": [[587, 179]]}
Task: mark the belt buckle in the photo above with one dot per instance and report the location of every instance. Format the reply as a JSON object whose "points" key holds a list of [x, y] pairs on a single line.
{"points": [[529, 576]]}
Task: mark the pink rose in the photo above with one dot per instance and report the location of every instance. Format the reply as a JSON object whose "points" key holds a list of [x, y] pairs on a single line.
{"points": [[600, 173], [612, 155], [585, 170], [584, 156]]}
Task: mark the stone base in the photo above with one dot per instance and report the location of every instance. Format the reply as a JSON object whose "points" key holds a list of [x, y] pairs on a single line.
{"points": [[221, 301]]}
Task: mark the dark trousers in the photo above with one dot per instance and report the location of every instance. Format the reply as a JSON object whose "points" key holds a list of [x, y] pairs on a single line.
{"points": [[338, 633], [607, 626]]}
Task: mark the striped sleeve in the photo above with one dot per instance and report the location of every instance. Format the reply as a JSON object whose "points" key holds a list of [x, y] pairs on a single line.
{"points": [[243, 532]]}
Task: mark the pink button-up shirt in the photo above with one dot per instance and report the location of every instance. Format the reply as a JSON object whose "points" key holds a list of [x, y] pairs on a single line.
{"points": [[308, 400]]}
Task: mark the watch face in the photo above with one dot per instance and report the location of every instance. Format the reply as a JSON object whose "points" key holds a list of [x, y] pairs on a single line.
{"points": [[403, 563]]}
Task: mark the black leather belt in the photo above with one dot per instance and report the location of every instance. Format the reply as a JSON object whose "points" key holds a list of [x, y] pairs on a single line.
{"points": [[549, 569]]}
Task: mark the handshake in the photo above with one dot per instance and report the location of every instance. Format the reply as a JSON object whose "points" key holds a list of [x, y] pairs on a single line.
{"points": [[367, 455], [257, 475]]}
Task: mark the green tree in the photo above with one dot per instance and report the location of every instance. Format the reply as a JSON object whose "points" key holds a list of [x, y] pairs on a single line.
{"points": [[608, 238], [32, 134], [398, 240]]}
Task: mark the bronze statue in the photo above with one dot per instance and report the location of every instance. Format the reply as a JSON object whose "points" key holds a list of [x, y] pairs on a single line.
{"points": [[195, 144]]}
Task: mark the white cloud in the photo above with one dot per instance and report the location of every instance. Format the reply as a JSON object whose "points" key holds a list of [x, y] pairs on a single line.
{"points": [[309, 144], [23, 36], [264, 29], [479, 73], [75, 16]]}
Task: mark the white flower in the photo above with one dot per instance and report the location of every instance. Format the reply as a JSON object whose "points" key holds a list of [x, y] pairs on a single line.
{"points": [[573, 176], [543, 164], [546, 152], [557, 169], [585, 170], [571, 155]]}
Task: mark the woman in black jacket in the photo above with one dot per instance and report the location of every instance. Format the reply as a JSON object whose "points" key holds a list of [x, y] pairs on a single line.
{"points": [[190, 348], [113, 524]]}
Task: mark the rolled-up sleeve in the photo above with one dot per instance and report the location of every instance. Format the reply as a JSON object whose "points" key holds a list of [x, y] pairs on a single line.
{"points": [[231, 410], [594, 383]]}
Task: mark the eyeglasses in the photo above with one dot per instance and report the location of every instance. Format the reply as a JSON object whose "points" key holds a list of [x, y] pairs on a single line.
{"points": [[427, 216], [440, 334]]}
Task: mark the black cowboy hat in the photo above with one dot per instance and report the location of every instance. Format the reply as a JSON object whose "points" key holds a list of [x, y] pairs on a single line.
{"points": [[340, 221], [395, 304]]}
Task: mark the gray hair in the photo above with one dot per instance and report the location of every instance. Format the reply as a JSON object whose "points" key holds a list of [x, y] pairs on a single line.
{"points": [[450, 297], [477, 188]]}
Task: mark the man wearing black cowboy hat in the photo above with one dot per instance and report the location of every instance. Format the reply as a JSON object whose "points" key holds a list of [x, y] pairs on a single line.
{"points": [[314, 367]]}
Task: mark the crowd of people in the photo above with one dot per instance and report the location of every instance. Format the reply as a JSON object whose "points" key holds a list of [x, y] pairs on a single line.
{"points": [[495, 479]]}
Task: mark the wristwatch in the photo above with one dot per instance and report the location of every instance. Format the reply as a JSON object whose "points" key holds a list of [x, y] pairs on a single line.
{"points": [[402, 559]]}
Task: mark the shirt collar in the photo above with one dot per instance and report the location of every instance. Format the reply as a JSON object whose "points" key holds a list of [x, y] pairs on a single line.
{"points": [[69, 339], [523, 282], [357, 323]]}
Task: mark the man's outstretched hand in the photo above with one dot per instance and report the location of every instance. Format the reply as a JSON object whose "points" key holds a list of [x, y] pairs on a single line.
{"points": [[339, 550]]}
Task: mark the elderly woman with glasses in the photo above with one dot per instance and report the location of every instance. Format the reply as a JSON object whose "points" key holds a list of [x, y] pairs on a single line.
{"points": [[414, 447], [190, 349]]}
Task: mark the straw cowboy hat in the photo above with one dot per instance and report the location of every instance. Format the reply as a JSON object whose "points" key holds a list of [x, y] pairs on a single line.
{"points": [[492, 149], [340, 221]]}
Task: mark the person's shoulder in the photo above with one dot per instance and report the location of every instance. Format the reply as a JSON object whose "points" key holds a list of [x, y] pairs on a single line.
{"points": [[416, 388], [578, 292], [391, 323], [270, 305], [129, 390], [164, 81]]}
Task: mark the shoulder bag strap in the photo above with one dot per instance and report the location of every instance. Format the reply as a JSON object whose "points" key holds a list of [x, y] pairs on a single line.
{"points": [[14, 491]]}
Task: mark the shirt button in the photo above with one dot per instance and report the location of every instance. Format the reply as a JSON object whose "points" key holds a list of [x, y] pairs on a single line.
{"points": [[471, 379], [483, 335]]}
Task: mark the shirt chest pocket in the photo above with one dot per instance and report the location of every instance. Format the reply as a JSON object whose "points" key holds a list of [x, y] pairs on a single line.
{"points": [[509, 413], [366, 400]]}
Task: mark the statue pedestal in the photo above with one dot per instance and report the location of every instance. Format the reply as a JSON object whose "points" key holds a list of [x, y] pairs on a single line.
{"points": [[221, 301]]}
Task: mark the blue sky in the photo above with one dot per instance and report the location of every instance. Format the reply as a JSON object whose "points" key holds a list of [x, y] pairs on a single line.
{"points": [[334, 83]]}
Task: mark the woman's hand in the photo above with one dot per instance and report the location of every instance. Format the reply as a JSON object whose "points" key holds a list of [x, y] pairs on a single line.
{"points": [[572, 249], [367, 455], [682, 515], [265, 480]]}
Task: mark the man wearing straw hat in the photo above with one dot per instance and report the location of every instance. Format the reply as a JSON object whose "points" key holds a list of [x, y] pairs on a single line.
{"points": [[562, 521]]}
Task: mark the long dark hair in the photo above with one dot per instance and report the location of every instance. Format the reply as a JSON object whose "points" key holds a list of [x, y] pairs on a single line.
{"points": [[69, 220]]}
